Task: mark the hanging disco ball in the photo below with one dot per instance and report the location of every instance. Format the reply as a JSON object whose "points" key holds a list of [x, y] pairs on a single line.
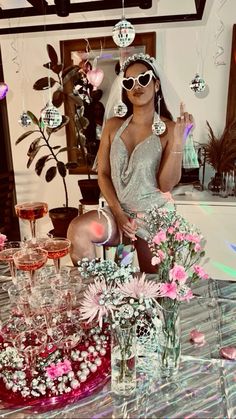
{"points": [[51, 117], [3, 90], [123, 33], [197, 84], [120, 109], [25, 120]]}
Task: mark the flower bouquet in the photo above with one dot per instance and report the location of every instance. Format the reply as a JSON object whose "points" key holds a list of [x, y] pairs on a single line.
{"points": [[121, 305], [177, 248]]}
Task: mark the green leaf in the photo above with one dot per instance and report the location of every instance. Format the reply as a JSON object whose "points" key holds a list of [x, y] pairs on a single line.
{"points": [[51, 173], [52, 54], [61, 168], [44, 83], [23, 136], [40, 164], [33, 146], [33, 118]]}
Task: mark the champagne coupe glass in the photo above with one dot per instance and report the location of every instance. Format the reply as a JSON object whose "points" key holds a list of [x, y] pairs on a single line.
{"points": [[57, 248], [6, 255], [30, 343], [31, 211], [29, 260]]}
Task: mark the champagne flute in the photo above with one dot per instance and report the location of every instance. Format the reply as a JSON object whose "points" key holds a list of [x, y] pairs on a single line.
{"points": [[29, 260], [31, 211], [30, 343], [57, 248], [6, 255]]}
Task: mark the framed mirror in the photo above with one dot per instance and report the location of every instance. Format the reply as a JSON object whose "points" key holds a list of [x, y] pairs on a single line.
{"points": [[108, 60]]}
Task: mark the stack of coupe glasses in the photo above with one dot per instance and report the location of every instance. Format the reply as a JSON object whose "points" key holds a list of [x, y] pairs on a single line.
{"points": [[43, 300]]}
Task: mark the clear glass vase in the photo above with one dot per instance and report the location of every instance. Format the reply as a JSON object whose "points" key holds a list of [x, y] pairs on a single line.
{"points": [[169, 343], [123, 360]]}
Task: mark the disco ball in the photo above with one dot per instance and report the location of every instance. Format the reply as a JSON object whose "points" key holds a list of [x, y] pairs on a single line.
{"points": [[123, 33]]}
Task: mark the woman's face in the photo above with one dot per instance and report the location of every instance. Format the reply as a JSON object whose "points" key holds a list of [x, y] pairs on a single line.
{"points": [[139, 95]]}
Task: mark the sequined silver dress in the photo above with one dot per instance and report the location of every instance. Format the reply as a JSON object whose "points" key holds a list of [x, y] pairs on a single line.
{"points": [[134, 176]]}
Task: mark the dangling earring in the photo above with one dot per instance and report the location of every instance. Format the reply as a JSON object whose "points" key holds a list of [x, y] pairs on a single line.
{"points": [[158, 126], [120, 109]]}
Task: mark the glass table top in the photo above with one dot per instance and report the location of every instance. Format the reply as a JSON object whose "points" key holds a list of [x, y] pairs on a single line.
{"points": [[205, 386]]}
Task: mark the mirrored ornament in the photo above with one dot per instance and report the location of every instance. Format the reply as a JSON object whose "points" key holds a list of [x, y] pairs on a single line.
{"points": [[197, 84], [158, 126], [3, 90], [51, 117], [25, 120], [120, 109], [123, 33]]}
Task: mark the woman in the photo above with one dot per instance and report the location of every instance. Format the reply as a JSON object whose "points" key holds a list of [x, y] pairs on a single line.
{"points": [[136, 167]]}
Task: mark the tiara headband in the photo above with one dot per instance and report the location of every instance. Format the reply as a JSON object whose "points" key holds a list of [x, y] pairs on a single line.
{"points": [[142, 57]]}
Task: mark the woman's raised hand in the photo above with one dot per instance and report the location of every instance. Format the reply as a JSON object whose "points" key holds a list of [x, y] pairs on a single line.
{"points": [[183, 125]]}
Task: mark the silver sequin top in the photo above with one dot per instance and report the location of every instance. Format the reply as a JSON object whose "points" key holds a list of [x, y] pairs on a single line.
{"points": [[134, 176]]}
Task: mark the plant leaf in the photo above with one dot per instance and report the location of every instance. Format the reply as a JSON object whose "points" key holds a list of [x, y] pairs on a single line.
{"points": [[73, 72], [56, 147], [52, 54], [57, 98], [61, 168], [33, 118], [65, 120], [44, 83], [40, 164], [62, 149], [72, 164], [23, 136], [32, 156], [33, 146], [51, 173]]}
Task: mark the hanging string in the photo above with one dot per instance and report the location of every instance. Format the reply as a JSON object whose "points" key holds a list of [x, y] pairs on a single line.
{"points": [[123, 9], [220, 30], [15, 59]]}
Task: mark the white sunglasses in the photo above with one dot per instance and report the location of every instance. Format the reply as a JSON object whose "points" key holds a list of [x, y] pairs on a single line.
{"points": [[142, 79]]}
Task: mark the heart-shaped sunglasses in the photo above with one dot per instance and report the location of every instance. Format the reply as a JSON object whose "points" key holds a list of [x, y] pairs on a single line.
{"points": [[143, 80]]}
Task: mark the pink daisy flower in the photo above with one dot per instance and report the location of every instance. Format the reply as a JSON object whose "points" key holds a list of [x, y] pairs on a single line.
{"points": [[95, 302], [137, 287]]}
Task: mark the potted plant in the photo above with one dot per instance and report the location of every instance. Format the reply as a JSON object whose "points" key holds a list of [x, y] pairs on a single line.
{"points": [[61, 216], [85, 101], [220, 153]]}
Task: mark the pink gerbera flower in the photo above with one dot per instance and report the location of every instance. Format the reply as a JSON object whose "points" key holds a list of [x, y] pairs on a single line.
{"points": [[137, 287], [95, 302]]}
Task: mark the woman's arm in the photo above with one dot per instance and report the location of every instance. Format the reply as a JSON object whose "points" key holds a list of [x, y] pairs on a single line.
{"points": [[171, 164], [105, 183]]}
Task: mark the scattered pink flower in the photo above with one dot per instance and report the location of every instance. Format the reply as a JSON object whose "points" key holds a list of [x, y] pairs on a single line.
{"points": [[169, 290], [137, 287], [177, 273], [57, 370], [171, 230], [200, 272], [159, 237]]}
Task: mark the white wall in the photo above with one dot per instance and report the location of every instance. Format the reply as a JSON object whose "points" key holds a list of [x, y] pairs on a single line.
{"points": [[178, 51]]}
